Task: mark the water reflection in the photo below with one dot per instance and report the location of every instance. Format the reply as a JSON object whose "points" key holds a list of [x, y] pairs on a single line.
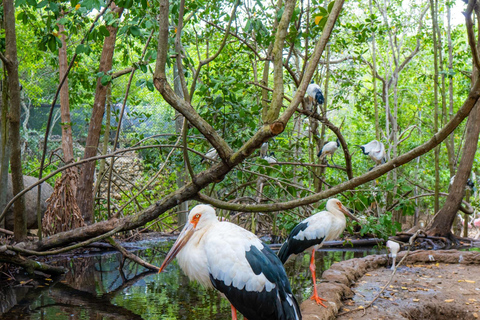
{"points": [[104, 287]]}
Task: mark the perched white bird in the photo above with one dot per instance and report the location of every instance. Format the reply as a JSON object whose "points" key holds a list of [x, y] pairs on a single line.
{"points": [[375, 150], [312, 232], [234, 261], [271, 158], [315, 93], [264, 149], [328, 148], [393, 247], [211, 155]]}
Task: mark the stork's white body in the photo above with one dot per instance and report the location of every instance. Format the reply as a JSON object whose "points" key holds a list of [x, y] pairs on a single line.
{"points": [[312, 89], [311, 233], [212, 154], [375, 150], [271, 159], [224, 256]]}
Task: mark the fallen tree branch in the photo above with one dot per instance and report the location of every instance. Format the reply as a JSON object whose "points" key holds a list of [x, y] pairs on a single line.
{"points": [[130, 255]]}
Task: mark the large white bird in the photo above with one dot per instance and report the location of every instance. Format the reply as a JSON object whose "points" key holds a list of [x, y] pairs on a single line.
{"points": [[315, 93], [328, 148], [312, 232], [234, 261], [375, 150], [393, 247], [271, 158]]}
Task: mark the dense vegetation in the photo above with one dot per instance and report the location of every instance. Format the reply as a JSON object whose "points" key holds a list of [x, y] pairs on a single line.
{"points": [[395, 72]]}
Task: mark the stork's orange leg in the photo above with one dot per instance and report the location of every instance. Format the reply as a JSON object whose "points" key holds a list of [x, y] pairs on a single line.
{"points": [[234, 312], [315, 296]]}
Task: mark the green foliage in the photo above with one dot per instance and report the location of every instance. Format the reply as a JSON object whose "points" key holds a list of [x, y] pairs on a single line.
{"points": [[380, 227]]}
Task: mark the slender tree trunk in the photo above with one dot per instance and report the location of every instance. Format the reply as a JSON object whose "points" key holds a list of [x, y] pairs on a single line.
{"points": [[85, 194], [20, 220], [4, 150], [451, 144], [433, 10], [374, 79]]}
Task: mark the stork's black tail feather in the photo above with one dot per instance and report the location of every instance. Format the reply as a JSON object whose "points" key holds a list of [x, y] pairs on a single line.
{"points": [[284, 253], [319, 97]]}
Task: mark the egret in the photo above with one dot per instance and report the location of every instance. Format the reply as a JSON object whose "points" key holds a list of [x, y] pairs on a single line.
{"points": [[315, 93], [375, 150], [264, 149], [271, 158], [328, 148], [234, 261], [211, 155], [393, 247], [312, 232]]}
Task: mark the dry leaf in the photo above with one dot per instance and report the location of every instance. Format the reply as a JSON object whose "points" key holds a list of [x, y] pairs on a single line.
{"points": [[317, 19], [416, 300], [449, 300], [470, 281], [404, 288], [368, 274]]}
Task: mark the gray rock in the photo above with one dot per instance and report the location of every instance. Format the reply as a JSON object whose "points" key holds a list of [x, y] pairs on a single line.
{"points": [[30, 202]]}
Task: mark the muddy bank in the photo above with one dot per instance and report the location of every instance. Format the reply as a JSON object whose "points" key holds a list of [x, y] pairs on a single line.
{"points": [[430, 285]]}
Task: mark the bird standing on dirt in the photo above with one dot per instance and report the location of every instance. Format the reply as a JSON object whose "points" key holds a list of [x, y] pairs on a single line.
{"points": [[328, 148], [311, 233], [224, 256], [393, 247]]}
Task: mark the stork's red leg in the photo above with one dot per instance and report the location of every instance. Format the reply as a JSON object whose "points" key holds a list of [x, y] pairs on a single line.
{"points": [[234, 312], [315, 296]]}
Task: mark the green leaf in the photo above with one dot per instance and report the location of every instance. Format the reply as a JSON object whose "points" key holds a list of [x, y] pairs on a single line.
{"points": [[104, 31], [105, 80], [135, 31]]}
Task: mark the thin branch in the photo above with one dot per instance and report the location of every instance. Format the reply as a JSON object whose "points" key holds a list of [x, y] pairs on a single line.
{"points": [[471, 36]]}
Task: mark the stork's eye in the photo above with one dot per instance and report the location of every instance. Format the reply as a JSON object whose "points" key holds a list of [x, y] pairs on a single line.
{"points": [[197, 216]]}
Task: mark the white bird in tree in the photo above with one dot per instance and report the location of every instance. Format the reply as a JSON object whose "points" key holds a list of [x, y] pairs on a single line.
{"points": [[315, 93], [264, 149], [234, 261], [328, 148], [375, 150], [211, 155], [393, 247], [311, 233], [271, 158]]}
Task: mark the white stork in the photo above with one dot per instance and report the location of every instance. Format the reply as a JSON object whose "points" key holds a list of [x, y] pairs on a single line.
{"points": [[271, 158], [312, 232], [393, 247], [234, 261], [211, 155], [328, 148], [375, 150], [315, 93]]}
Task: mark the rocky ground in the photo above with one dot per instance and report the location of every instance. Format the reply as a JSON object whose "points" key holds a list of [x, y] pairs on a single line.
{"points": [[430, 285]]}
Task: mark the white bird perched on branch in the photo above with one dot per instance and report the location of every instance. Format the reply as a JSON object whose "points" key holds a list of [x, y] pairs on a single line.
{"points": [[315, 93], [234, 261], [264, 149], [328, 148], [211, 155], [375, 150], [393, 247], [312, 232], [271, 158]]}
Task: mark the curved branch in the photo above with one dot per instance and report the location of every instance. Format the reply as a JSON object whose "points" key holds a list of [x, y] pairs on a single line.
{"points": [[471, 36]]}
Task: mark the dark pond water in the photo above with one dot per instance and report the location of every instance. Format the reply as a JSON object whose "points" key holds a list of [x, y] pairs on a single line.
{"points": [[104, 287]]}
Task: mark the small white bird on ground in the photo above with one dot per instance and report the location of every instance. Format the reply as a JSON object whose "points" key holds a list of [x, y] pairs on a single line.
{"points": [[393, 247], [376, 151], [328, 148], [312, 232], [315, 93], [224, 256]]}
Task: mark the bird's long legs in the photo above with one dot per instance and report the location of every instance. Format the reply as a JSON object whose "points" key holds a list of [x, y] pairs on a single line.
{"points": [[315, 296], [234, 312]]}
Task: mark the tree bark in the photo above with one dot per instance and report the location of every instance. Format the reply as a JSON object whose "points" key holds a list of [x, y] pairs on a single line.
{"points": [[4, 150], [85, 196], [20, 227]]}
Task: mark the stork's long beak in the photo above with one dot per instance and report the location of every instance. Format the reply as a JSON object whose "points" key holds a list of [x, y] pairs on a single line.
{"points": [[348, 213], [182, 239]]}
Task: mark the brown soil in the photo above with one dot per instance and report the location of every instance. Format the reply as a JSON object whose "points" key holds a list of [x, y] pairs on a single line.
{"points": [[446, 288]]}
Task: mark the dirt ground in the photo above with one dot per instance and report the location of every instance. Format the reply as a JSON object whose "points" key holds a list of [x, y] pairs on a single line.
{"points": [[432, 285]]}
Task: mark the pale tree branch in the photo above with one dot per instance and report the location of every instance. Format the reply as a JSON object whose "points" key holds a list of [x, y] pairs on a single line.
{"points": [[471, 36]]}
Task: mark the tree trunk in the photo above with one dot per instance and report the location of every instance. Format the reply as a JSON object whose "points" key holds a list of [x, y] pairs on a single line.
{"points": [[4, 151], [85, 194], [443, 221], [20, 227]]}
